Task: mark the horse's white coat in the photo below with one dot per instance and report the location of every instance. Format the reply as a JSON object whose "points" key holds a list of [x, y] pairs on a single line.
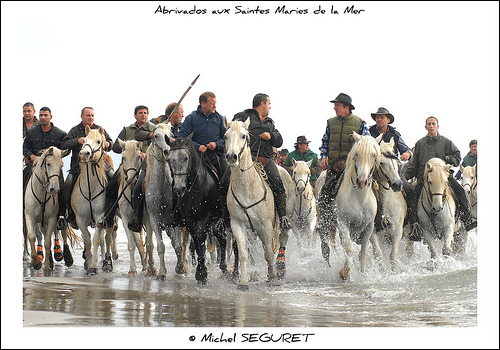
{"points": [[391, 202], [436, 206], [249, 188], [131, 163], [469, 183], [43, 187], [88, 196], [304, 212], [355, 205]]}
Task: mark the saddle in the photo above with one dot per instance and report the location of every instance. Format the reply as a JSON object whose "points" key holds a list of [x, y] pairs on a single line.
{"points": [[210, 167]]}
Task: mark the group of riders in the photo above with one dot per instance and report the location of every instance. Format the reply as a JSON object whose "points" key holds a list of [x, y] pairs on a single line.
{"points": [[208, 128]]}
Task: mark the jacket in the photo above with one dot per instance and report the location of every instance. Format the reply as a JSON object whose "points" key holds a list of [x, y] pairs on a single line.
{"points": [[71, 142], [399, 145], [258, 146], [315, 166], [469, 160], [206, 129], [36, 140], [431, 147], [128, 133], [35, 122]]}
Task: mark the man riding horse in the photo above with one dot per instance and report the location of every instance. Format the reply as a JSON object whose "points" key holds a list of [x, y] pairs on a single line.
{"points": [[74, 142]]}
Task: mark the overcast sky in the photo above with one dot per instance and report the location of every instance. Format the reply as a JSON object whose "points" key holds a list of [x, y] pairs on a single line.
{"points": [[416, 59]]}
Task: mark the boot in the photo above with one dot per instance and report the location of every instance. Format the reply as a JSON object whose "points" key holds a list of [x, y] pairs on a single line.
{"points": [[416, 230], [225, 213], [280, 201], [109, 220], [136, 223], [71, 219]]}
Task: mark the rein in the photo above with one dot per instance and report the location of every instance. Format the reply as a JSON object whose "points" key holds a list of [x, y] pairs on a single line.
{"points": [[370, 176], [245, 208], [429, 195], [304, 196], [45, 197], [188, 174]]}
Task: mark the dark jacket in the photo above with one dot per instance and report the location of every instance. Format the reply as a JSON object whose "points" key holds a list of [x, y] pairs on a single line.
{"points": [[258, 146], [431, 147], [315, 166], [35, 122], [206, 129], [36, 140], [71, 142], [469, 160], [128, 133], [399, 145]]}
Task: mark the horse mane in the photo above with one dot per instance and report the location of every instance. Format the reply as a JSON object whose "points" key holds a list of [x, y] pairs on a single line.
{"points": [[362, 148], [436, 164], [101, 166], [149, 157]]}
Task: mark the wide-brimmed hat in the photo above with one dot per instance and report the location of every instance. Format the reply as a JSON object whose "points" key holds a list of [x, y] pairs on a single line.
{"points": [[302, 139], [343, 98], [385, 111]]}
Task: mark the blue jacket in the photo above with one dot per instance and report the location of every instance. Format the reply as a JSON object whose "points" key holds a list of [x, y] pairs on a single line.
{"points": [[206, 129], [399, 145]]}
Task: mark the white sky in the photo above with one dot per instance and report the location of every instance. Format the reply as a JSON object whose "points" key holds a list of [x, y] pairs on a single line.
{"points": [[415, 58]]}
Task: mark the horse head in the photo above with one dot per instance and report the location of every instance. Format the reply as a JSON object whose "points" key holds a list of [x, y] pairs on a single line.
{"points": [[365, 156], [48, 168], [389, 165], [436, 175], [236, 140], [180, 159], [131, 157], [301, 174], [469, 179], [93, 145], [162, 139]]}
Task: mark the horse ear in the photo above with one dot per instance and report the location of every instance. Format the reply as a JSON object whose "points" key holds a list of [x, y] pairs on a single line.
{"points": [[475, 167], [447, 167], [428, 166], [356, 136], [50, 151], [379, 138], [87, 129], [121, 143], [309, 163], [190, 137], [392, 142], [247, 123], [294, 162], [65, 152], [138, 144], [101, 130], [461, 168], [226, 124]]}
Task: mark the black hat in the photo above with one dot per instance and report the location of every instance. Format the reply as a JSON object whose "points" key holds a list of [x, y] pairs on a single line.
{"points": [[345, 99], [385, 111], [302, 139], [283, 152]]}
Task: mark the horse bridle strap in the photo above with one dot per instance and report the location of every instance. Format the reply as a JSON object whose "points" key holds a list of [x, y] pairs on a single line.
{"points": [[245, 208], [94, 151]]}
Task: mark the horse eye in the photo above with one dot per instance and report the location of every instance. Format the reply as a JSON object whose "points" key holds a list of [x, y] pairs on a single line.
{"points": [[98, 142], [243, 137]]}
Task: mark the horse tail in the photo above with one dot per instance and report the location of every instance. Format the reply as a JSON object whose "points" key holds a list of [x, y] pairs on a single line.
{"points": [[74, 239]]}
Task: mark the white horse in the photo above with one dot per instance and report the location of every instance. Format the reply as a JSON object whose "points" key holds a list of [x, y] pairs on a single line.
{"points": [[88, 198], [41, 203], [355, 205], [391, 203], [469, 183], [436, 208], [304, 212], [158, 211], [319, 183], [250, 201], [131, 163]]}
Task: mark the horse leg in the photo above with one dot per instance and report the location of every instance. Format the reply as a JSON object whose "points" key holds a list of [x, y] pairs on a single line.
{"points": [[113, 238], [131, 244], [201, 269], [49, 261], [377, 252], [94, 245], [447, 241], [345, 238], [162, 274], [35, 260], [269, 256], [221, 249], [363, 253], [186, 240], [67, 256], [242, 253], [151, 270], [397, 235], [58, 256], [280, 261], [107, 262], [176, 239]]}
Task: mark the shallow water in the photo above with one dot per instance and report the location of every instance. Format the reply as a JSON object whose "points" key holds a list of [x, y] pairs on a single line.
{"points": [[312, 295]]}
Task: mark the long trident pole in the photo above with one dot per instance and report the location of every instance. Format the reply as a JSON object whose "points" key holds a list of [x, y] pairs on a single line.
{"points": [[137, 171], [182, 97]]}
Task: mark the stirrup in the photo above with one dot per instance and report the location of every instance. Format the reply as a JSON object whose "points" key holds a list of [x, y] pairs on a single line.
{"points": [[61, 223], [416, 232]]}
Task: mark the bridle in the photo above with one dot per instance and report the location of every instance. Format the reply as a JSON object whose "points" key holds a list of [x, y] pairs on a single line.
{"points": [[370, 176], [303, 196], [188, 173], [46, 197], [380, 170]]}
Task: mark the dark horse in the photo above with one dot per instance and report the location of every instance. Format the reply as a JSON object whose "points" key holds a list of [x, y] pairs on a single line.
{"points": [[197, 201]]}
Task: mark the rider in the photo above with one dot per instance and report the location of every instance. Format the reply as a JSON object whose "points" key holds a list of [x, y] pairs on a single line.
{"points": [[382, 120], [128, 133], [335, 146], [74, 142], [302, 152], [433, 146], [29, 117], [145, 133], [38, 138], [263, 137], [470, 159]]}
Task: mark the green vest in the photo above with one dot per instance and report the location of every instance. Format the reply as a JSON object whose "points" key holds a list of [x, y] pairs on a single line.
{"points": [[340, 140], [307, 157], [130, 135]]}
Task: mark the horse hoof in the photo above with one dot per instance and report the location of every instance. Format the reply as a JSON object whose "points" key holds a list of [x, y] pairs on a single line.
{"points": [[92, 271], [345, 273], [68, 258], [243, 287], [180, 270], [161, 278], [132, 273], [446, 251], [48, 272], [115, 256], [431, 265], [151, 272], [37, 266]]}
